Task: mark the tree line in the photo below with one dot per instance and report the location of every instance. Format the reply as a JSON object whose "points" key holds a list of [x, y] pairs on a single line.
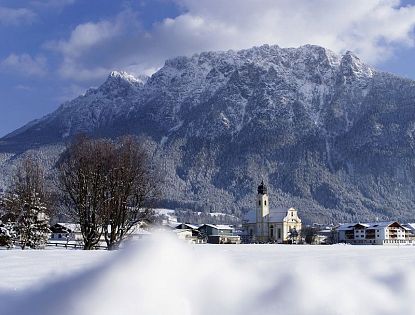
{"points": [[107, 187]]}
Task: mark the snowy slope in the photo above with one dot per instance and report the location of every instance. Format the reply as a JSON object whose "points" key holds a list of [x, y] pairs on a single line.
{"points": [[167, 277], [22, 270]]}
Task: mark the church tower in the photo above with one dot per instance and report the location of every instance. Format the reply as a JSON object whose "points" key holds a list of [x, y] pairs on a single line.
{"points": [[262, 213]]}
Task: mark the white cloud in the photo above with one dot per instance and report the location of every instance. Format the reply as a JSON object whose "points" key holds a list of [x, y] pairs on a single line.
{"points": [[85, 36], [91, 48], [372, 28], [11, 16], [24, 64]]}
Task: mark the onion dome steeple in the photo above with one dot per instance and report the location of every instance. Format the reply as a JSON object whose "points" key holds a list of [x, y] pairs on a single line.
{"points": [[262, 189]]}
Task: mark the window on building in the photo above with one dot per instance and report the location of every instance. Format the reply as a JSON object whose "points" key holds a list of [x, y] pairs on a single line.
{"points": [[279, 233], [259, 203], [271, 231], [265, 202]]}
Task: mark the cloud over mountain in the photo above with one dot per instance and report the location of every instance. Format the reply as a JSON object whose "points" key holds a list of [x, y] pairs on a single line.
{"points": [[373, 29]]}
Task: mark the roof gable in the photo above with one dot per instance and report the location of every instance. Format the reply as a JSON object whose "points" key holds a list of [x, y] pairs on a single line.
{"points": [[186, 226], [70, 227]]}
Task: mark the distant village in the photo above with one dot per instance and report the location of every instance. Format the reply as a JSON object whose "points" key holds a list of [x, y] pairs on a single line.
{"points": [[262, 225], [108, 190]]}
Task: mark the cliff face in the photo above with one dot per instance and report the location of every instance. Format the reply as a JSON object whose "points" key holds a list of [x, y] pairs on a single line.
{"points": [[330, 135]]}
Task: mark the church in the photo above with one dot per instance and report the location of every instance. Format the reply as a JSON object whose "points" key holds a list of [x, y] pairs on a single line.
{"points": [[277, 225]]}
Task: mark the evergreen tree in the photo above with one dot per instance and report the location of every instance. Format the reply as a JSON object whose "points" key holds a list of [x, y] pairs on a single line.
{"points": [[32, 226], [26, 205]]}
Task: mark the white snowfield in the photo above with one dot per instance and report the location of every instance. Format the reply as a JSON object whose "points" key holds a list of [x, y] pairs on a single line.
{"points": [[164, 276]]}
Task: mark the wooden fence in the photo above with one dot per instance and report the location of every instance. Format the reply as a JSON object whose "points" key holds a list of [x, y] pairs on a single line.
{"points": [[72, 245]]}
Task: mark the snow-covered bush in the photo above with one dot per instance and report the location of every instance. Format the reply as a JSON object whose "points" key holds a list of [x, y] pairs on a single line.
{"points": [[7, 234]]}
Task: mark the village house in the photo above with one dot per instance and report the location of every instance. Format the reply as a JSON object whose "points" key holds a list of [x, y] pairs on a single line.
{"points": [[190, 227], [69, 234], [189, 232], [66, 232], [377, 233], [139, 231], [184, 235], [219, 234], [411, 228], [276, 225]]}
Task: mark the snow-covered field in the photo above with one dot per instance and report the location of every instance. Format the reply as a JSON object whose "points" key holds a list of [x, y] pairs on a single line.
{"points": [[165, 276]]}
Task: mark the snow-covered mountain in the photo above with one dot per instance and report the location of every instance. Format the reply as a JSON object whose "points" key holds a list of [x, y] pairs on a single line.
{"points": [[330, 135]]}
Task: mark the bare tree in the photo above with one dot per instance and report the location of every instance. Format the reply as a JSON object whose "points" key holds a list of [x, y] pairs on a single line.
{"points": [[132, 188], [27, 204], [108, 186], [81, 179]]}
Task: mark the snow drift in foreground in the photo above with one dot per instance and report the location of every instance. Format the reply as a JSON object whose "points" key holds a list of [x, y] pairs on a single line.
{"points": [[164, 276]]}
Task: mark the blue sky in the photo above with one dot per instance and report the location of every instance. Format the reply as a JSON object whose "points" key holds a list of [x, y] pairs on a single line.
{"points": [[52, 50]]}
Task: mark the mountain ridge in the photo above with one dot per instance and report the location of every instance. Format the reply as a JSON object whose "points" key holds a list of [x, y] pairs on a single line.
{"points": [[330, 134]]}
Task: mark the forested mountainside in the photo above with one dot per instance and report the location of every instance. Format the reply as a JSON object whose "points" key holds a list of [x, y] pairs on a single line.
{"points": [[330, 135]]}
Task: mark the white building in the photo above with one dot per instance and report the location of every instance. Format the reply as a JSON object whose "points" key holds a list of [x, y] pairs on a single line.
{"points": [[189, 232], [66, 232], [377, 233], [219, 234], [276, 225], [411, 228], [139, 231]]}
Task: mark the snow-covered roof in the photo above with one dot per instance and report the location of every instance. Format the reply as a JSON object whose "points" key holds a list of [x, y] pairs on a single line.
{"points": [[219, 226], [190, 226], [363, 224], [346, 227], [374, 225], [409, 226], [369, 226], [275, 215], [224, 227], [71, 227]]}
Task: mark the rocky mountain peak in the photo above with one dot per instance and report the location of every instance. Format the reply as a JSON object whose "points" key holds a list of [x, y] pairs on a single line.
{"points": [[123, 78], [351, 65]]}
